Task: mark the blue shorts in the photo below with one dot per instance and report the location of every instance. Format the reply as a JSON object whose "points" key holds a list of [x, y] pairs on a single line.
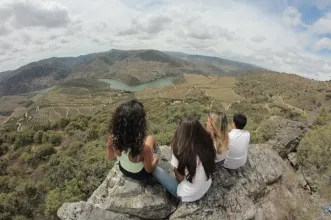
{"points": [[221, 163]]}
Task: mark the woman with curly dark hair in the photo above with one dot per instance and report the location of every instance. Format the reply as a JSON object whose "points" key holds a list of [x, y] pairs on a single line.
{"points": [[193, 161], [128, 142]]}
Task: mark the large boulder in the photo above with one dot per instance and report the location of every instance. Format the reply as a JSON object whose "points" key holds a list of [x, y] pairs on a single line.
{"points": [[124, 197], [288, 135], [233, 194], [84, 211]]}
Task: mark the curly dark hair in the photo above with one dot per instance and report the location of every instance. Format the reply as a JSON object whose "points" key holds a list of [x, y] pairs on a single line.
{"points": [[191, 140], [129, 127]]}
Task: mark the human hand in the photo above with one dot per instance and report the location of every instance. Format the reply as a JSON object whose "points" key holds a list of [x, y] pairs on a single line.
{"points": [[155, 160], [109, 142]]}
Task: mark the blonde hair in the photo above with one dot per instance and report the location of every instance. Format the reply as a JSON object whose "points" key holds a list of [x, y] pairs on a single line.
{"points": [[219, 123]]}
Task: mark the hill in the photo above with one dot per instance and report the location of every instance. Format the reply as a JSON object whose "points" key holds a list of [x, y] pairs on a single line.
{"points": [[52, 145], [131, 67], [216, 65]]}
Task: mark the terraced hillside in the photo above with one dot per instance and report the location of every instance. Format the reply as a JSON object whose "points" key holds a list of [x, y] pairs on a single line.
{"points": [[259, 96], [291, 91]]}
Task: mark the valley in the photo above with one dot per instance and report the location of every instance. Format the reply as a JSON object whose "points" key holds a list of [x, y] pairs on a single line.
{"points": [[52, 140], [131, 67]]}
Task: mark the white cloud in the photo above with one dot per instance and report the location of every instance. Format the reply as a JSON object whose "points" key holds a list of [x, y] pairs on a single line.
{"points": [[323, 25], [292, 17], [237, 30], [4, 29], [324, 43], [151, 24], [5, 47], [258, 39], [32, 13]]}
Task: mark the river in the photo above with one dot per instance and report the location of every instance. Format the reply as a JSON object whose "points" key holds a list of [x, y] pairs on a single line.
{"points": [[158, 83]]}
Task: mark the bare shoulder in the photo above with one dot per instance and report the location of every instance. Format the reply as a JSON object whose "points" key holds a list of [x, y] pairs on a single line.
{"points": [[147, 150]]}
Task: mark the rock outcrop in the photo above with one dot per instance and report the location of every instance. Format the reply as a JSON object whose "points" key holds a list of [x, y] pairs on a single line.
{"points": [[288, 135], [266, 188], [232, 194]]}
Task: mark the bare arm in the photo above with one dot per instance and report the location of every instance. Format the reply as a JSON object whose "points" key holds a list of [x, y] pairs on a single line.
{"points": [[179, 177], [149, 160], [110, 151]]}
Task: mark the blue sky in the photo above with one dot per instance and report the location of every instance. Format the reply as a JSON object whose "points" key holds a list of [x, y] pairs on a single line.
{"points": [[291, 36]]}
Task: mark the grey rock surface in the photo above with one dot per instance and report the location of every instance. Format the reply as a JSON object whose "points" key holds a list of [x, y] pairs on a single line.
{"points": [[124, 195], [288, 135], [233, 194], [83, 211], [292, 157]]}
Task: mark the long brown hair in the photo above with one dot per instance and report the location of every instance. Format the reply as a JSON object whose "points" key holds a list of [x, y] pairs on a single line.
{"points": [[190, 141], [219, 124]]}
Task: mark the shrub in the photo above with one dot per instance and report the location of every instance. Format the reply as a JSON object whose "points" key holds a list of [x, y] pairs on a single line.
{"points": [[103, 130], [55, 198], [323, 118], [315, 148], [74, 148], [23, 139], [4, 148], [10, 137], [3, 166], [41, 153], [51, 138], [38, 136], [267, 129], [92, 134], [61, 124], [164, 138]]}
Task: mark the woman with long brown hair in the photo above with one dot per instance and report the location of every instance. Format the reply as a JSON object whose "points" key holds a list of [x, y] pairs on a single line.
{"points": [[217, 126], [193, 162]]}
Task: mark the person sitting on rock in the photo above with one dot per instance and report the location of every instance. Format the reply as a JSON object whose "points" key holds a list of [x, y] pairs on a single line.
{"points": [[128, 142], [238, 143], [193, 162], [217, 126]]}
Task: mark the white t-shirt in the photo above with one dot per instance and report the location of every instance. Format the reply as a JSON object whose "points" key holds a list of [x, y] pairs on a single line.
{"points": [[238, 149], [190, 192]]}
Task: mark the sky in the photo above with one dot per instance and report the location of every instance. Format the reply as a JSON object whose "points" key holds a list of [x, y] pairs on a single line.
{"points": [[292, 36]]}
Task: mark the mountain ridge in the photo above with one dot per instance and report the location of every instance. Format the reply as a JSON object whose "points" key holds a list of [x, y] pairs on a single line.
{"points": [[129, 66]]}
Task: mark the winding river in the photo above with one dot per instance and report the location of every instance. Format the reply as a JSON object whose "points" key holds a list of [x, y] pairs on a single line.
{"points": [[158, 83]]}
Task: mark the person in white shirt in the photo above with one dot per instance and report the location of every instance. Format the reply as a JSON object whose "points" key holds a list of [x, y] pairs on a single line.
{"points": [[217, 126], [192, 152], [238, 143]]}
